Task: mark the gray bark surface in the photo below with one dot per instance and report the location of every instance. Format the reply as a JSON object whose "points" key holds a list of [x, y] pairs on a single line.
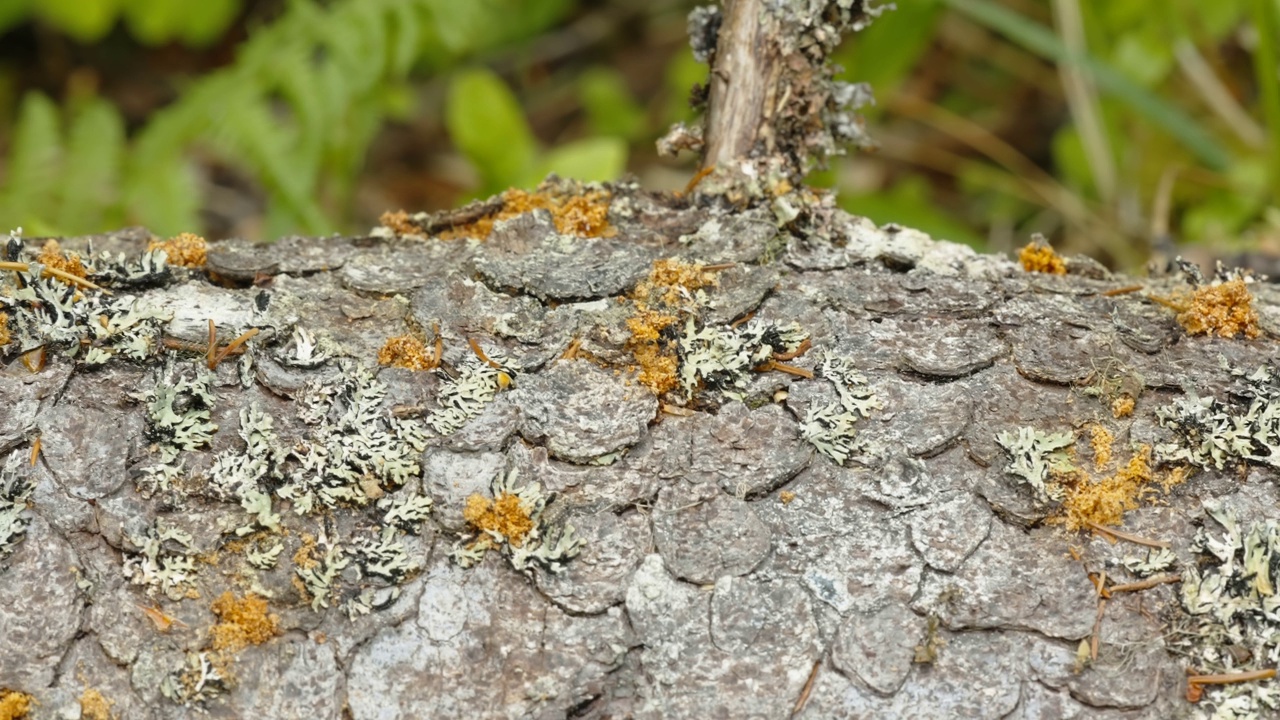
{"points": [[728, 567]]}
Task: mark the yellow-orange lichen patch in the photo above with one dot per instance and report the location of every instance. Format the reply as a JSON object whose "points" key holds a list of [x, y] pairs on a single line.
{"points": [[1105, 501], [1122, 407], [1040, 257], [1225, 310], [1100, 439], [406, 351], [661, 300], [241, 622], [4, 330], [14, 705], [304, 557], [95, 706], [503, 515], [399, 222], [583, 215], [185, 250], [52, 255]]}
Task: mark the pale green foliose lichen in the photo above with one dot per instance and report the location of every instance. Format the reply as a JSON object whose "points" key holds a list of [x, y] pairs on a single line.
{"points": [[354, 450], [1213, 432], [723, 358], [465, 396], [1033, 455], [15, 491], [164, 561], [830, 428], [200, 681], [1233, 614], [318, 578], [550, 543]]}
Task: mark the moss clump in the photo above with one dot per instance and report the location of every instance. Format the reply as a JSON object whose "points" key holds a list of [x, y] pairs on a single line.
{"points": [[52, 255], [1038, 256], [504, 515], [1224, 309], [242, 622], [406, 351], [14, 705], [186, 250]]}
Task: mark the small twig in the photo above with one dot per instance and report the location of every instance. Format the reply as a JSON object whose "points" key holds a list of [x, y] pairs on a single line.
{"points": [[1135, 539], [233, 346], [1145, 584], [54, 272], [744, 319], [213, 346], [1122, 291], [676, 410], [720, 266], [697, 178], [1232, 678], [804, 348], [475, 348], [782, 367], [35, 451], [1096, 639], [808, 688]]}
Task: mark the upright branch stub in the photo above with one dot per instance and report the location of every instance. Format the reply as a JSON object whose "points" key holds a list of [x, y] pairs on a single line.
{"points": [[774, 109]]}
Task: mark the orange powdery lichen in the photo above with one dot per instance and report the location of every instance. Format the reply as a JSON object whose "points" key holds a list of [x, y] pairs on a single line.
{"points": [[660, 301], [185, 250], [1100, 439], [503, 515], [405, 351], [14, 705], [399, 222], [1122, 407], [1040, 257], [242, 622], [1225, 309], [583, 215], [52, 255], [4, 330], [1105, 501], [95, 706]]}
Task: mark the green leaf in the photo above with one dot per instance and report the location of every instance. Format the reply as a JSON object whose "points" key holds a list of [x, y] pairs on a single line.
{"points": [[908, 203], [163, 195], [13, 12], [207, 20], [611, 110], [95, 154], [589, 160], [486, 123], [887, 51], [154, 22], [82, 20], [1041, 41], [32, 169]]}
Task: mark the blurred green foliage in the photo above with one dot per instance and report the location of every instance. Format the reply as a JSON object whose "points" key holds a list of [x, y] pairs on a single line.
{"points": [[1106, 124]]}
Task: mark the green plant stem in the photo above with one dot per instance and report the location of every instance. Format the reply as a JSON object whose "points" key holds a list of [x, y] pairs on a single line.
{"points": [[1267, 23], [1044, 43]]}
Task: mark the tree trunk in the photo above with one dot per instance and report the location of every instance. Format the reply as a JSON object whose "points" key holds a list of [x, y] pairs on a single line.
{"points": [[741, 552]]}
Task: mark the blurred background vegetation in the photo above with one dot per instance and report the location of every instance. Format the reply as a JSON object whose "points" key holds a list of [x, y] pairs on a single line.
{"points": [[1111, 126]]}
